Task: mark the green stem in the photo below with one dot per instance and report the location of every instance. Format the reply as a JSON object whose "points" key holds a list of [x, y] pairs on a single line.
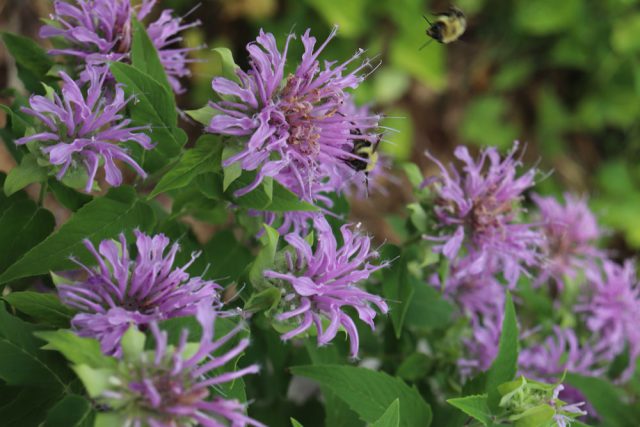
{"points": [[43, 192]]}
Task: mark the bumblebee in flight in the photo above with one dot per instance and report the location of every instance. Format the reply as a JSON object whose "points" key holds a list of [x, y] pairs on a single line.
{"points": [[447, 27]]}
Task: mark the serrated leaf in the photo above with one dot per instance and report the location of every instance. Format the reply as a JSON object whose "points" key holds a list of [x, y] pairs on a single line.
{"points": [[44, 308], [369, 393], [72, 411], [505, 365], [22, 362], [27, 172], [203, 158], [476, 406], [391, 417], [144, 55], [22, 226], [102, 218]]}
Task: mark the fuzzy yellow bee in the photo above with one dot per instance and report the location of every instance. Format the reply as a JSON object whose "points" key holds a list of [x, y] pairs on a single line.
{"points": [[447, 27]]}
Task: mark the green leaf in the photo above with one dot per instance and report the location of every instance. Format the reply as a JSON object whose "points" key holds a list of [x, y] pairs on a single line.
{"points": [[234, 170], [32, 61], [295, 423], [337, 412], [538, 416], [476, 406], [77, 350], [72, 411], [22, 362], [505, 365], [397, 288], [428, 310], [259, 198], [103, 218], [606, 400], [265, 300], [144, 55], [370, 393], [95, 381], [223, 63], [203, 158], [68, 197], [391, 417], [227, 258], [153, 106], [25, 406], [22, 226], [265, 257], [24, 174], [202, 115], [414, 367], [283, 200], [44, 308]]}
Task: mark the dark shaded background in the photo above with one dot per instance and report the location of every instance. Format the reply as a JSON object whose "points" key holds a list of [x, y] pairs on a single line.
{"points": [[562, 76]]}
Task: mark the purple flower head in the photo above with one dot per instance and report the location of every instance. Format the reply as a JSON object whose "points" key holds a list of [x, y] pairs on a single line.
{"points": [[83, 130], [478, 209], [611, 312], [175, 386], [122, 292], [559, 352], [293, 125], [100, 31], [319, 283], [571, 232]]}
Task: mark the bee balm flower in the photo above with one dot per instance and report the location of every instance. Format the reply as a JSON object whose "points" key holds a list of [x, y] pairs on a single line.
{"points": [[293, 125], [99, 31], [121, 292], [477, 209], [81, 130], [173, 386], [320, 283]]}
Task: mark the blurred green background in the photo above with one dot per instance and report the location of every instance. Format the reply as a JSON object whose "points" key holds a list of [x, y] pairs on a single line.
{"points": [[561, 76]]}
